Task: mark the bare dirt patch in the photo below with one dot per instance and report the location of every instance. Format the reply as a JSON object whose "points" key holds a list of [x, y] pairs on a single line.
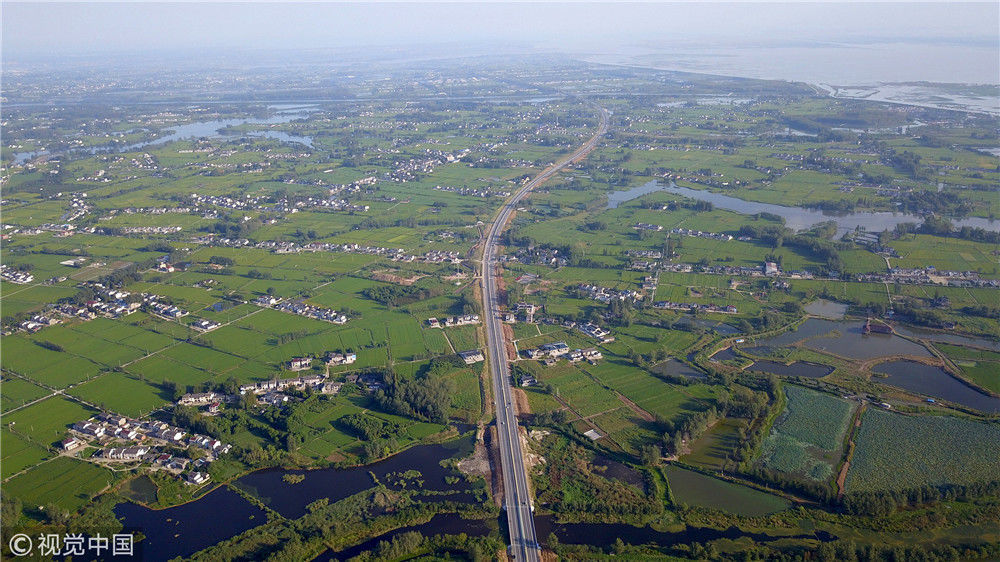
{"points": [[389, 277], [521, 402], [508, 342], [477, 464], [336, 457]]}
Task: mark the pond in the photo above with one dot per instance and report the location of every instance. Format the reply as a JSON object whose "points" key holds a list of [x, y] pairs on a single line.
{"points": [[186, 529], [673, 367], [935, 382], [827, 309], [796, 369], [949, 338], [291, 500], [846, 338], [796, 218]]}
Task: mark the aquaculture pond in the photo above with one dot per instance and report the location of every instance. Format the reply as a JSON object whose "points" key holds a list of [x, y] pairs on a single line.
{"points": [[673, 367], [846, 338], [795, 369], [935, 382], [827, 309]]}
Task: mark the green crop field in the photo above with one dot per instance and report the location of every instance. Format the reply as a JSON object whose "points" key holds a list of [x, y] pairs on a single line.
{"points": [[896, 452], [64, 482]]}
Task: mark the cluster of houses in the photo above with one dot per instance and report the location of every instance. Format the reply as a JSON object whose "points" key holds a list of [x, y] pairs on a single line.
{"points": [[451, 321], [593, 330], [37, 322], [168, 311], [606, 295], [110, 303], [12, 275], [484, 193], [930, 276], [700, 234], [690, 306], [149, 229], [302, 309], [537, 256], [647, 226], [134, 440], [549, 352], [284, 247]]}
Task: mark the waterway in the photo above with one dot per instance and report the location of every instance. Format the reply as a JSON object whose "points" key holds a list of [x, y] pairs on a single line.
{"points": [[935, 382], [206, 129], [796, 218]]}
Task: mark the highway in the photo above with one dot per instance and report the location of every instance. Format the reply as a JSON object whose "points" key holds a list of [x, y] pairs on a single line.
{"points": [[517, 494]]}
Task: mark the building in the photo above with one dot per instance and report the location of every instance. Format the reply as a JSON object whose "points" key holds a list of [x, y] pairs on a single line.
{"points": [[472, 356], [71, 444], [333, 359], [300, 363], [205, 325], [556, 349], [198, 478], [198, 398]]}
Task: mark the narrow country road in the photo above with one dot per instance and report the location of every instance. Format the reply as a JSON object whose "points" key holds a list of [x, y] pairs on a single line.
{"points": [[517, 495]]}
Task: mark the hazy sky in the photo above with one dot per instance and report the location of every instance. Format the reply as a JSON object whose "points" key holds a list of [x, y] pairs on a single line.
{"points": [[41, 28]]}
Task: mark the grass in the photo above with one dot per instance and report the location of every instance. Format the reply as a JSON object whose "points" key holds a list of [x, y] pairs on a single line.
{"points": [[713, 447], [897, 452]]}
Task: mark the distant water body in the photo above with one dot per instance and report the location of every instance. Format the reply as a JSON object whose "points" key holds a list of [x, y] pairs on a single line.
{"points": [[889, 72], [831, 63]]}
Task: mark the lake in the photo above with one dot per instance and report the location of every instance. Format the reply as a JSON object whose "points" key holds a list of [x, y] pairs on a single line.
{"points": [[935, 382], [188, 528], [336, 484]]}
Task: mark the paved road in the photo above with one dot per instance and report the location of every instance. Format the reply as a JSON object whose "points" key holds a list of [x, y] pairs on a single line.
{"points": [[517, 495]]}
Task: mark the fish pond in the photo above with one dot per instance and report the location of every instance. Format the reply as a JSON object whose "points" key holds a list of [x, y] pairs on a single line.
{"points": [[935, 382]]}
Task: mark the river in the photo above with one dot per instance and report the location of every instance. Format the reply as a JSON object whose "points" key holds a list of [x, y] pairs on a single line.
{"points": [[204, 129], [796, 218]]}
